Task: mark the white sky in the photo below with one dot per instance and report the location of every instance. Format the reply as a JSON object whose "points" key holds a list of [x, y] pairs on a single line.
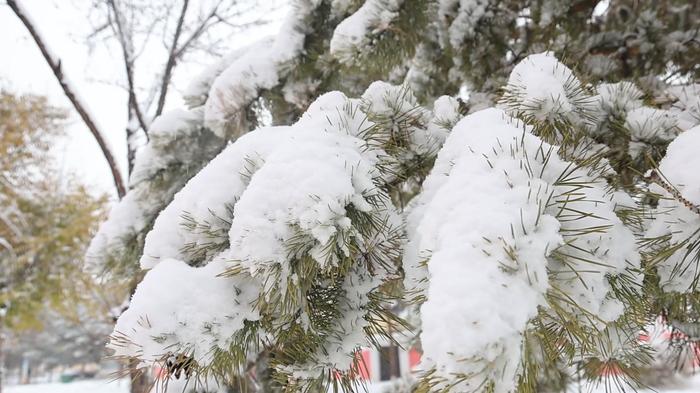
{"points": [[24, 70]]}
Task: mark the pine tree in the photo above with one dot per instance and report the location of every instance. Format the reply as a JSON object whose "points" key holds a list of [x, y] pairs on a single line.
{"points": [[517, 177]]}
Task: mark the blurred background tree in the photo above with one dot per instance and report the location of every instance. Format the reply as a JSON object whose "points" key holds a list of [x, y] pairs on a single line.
{"points": [[46, 220]]}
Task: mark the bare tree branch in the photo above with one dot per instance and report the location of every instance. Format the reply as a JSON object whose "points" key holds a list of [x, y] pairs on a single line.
{"points": [[128, 54], [172, 59], [71, 93], [203, 26]]}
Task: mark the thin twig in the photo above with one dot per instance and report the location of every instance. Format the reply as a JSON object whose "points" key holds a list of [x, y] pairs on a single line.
{"points": [[172, 59], [655, 178]]}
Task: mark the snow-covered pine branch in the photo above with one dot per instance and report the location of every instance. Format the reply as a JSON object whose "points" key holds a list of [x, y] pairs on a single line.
{"points": [[531, 238], [301, 238]]}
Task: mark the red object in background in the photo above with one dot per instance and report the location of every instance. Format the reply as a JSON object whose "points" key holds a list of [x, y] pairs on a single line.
{"points": [[363, 361], [365, 364], [413, 358], [159, 373]]}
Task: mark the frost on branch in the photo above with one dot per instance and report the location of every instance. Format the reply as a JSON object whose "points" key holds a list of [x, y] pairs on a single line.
{"points": [[294, 225], [529, 235], [648, 127], [166, 149], [197, 92], [673, 238], [612, 104]]}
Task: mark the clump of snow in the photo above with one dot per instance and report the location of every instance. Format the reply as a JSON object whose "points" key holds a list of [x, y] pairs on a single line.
{"points": [[208, 196], [459, 242], [460, 18], [178, 309], [259, 67], [316, 176], [127, 219], [675, 218], [355, 32], [617, 99], [648, 125], [498, 212], [687, 106], [600, 66], [167, 144], [311, 192], [543, 88], [611, 104], [160, 169], [398, 111], [620, 106], [197, 92], [446, 114]]}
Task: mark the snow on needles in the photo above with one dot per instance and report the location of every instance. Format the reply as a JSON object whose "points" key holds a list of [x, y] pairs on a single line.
{"points": [[157, 175], [254, 68], [457, 240], [678, 214], [355, 31], [542, 87], [180, 309], [493, 213], [272, 207]]}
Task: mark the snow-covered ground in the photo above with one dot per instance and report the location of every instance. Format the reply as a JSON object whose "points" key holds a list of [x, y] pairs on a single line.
{"points": [[96, 386], [691, 385]]}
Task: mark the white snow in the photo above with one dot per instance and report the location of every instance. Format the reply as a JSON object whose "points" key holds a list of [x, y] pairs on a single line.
{"points": [[491, 214], [160, 168], [178, 309], [687, 108], [355, 31], [258, 67], [209, 195], [542, 87], [464, 16], [165, 146], [290, 189], [689, 385], [460, 242], [197, 92], [126, 218], [96, 386], [649, 125], [680, 271]]}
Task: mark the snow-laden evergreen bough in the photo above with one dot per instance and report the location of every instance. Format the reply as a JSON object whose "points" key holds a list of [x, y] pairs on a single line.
{"points": [[540, 249], [673, 238], [526, 243], [285, 243]]}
